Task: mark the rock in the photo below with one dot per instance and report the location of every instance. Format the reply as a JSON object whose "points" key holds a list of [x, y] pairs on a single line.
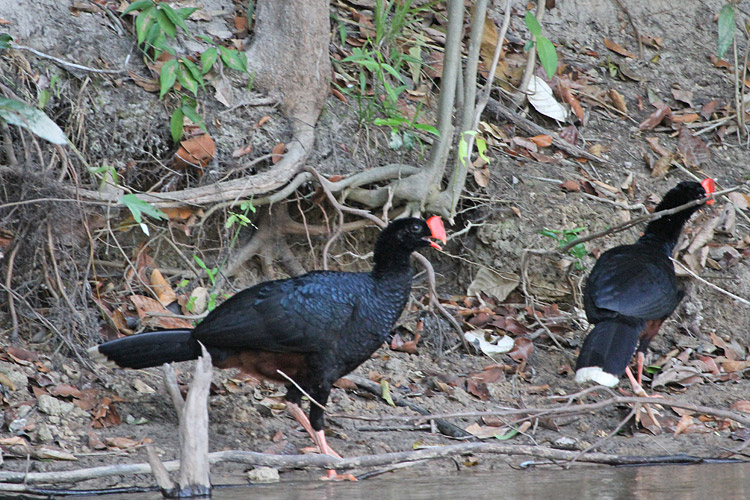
{"points": [[14, 375], [53, 406], [263, 475], [44, 433]]}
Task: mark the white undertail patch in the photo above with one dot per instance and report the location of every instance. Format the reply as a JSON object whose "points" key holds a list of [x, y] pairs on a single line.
{"points": [[596, 374], [98, 357]]}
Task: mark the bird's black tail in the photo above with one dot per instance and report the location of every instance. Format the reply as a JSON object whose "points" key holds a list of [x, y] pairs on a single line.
{"points": [[148, 349], [607, 350]]}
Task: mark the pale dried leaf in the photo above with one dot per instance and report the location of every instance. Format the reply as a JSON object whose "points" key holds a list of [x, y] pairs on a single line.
{"points": [[540, 96], [493, 283], [692, 148]]}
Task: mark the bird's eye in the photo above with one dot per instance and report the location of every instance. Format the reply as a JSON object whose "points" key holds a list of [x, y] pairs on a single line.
{"points": [[416, 227]]}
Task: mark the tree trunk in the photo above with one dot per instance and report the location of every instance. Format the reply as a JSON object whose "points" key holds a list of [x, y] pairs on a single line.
{"points": [[290, 55]]}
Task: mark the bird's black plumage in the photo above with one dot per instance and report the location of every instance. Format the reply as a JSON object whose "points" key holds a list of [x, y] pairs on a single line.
{"points": [[632, 290], [315, 328]]}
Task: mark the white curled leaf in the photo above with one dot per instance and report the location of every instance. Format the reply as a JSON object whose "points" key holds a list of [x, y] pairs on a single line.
{"points": [[541, 97], [496, 344]]}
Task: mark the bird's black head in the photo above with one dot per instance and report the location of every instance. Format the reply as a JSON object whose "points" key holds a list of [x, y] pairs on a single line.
{"points": [[403, 236], [667, 229], [682, 193]]}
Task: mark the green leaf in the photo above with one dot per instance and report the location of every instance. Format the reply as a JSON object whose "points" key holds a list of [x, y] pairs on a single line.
{"points": [[140, 4], [186, 12], [532, 24], [726, 29], [385, 392], [194, 71], [168, 76], [427, 128], [166, 24], [21, 114], [508, 435], [547, 55], [5, 41], [393, 72], [143, 23], [138, 207], [176, 123], [174, 16], [194, 117], [186, 79], [200, 262], [482, 149], [233, 59], [208, 58], [154, 33]]}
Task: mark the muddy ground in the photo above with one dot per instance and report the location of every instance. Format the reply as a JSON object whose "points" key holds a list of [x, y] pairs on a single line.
{"points": [[116, 122]]}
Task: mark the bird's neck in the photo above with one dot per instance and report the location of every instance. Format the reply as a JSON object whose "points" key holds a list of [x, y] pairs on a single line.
{"points": [[666, 230], [391, 264]]}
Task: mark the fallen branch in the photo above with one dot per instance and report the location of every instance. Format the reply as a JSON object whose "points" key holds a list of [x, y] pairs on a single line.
{"points": [[11, 479]]}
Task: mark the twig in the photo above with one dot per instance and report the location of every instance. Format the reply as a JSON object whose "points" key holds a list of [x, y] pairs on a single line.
{"points": [[445, 427], [605, 438], [643, 218], [70, 64], [9, 286], [632, 25], [624, 206], [568, 409], [532, 128], [300, 389], [705, 282]]}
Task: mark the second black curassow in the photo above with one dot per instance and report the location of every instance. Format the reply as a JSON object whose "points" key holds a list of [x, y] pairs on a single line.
{"points": [[632, 290], [314, 328]]}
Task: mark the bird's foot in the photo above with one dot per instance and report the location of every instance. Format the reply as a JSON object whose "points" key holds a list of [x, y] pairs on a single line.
{"points": [[335, 476], [639, 391]]}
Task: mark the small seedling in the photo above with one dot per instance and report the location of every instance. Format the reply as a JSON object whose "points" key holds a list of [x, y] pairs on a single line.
{"points": [[544, 48], [565, 236]]}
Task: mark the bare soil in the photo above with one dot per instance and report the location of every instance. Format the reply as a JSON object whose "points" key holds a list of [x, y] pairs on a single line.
{"points": [[116, 122]]}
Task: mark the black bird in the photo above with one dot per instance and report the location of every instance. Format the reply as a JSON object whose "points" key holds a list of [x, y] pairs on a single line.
{"points": [[632, 290], [314, 328]]}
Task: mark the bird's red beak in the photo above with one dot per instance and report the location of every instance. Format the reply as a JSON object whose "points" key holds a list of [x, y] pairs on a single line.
{"points": [[710, 186], [435, 223]]}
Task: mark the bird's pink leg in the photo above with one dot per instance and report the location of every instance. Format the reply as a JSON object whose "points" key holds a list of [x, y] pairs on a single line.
{"points": [[638, 390], [639, 360], [319, 438]]}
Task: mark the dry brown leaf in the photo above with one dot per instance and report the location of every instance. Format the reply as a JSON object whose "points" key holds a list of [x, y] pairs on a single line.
{"points": [[685, 422], [709, 108], [122, 443], [563, 88], [739, 200], [686, 118], [571, 186], [525, 143], [145, 305], [570, 134], [720, 63], [278, 152], [147, 84], [663, 112], [522, 349], [618, 49], [741, 406], [162, 288], [196, 151], [731, 366], [685, 96], [661, 166], [482, 176], [657, 148], [541, 140], [618, 100]]}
